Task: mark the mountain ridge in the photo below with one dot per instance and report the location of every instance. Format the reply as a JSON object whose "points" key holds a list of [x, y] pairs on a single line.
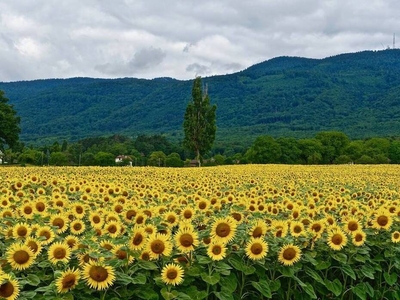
{"points": [[357, 93]]}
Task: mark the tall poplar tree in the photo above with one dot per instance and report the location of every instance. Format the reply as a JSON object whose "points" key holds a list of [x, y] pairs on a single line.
{"points": [[199, 123], [9, 123]]}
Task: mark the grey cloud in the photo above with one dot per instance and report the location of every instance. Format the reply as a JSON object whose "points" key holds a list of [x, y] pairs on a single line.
{"points": [[147, 58], [198, 69], [142, 60]]}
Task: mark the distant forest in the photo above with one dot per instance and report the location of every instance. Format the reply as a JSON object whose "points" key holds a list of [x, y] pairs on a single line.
{"points": [[357, 94], [331, 147]]}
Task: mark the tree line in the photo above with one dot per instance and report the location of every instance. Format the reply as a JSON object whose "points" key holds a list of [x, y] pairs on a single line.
{"points": [[328, 147]]}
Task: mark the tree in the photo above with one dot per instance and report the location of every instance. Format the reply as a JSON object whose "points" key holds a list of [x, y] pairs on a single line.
{"points": [[333, 143], [157, 158], [104, 158], [199, 122], [265, 150], [9, 123]]}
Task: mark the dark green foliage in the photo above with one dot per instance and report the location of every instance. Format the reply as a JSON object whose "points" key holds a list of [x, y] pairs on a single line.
{"points": [[157, 158], [199, 122], [58, 159], [104, 159], [174, 160], [9, 123], [265, 150]]}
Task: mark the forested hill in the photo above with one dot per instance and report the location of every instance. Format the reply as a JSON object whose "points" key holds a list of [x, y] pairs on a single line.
{"points": [[357, 93]]}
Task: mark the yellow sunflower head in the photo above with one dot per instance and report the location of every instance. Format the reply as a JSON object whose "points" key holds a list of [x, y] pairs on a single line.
{"points": [[137, 239], [352, 225], [289, 254], [186, 239], [59, 252], [259, 229], [21, 230], [98, 275], [68, 280], [216, 250], [358, 238], [45, 234], [382, 219], [9, 287], [396, 236], [256, 248], [337, 239], [20, 256], [172, 274], [77, 227], [34, 244], [224, 229], [59, 222], [157, 245]]}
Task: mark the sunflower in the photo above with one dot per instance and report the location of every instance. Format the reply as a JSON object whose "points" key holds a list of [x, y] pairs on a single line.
{"points": [[188, 213], [60, 222], [224, 229], [145, 255], [202, 204], [40, 205], [59, 252], [150, 228], [140, 218], [27, 211], [129, 215], [45, 234], [34, 244], [158, 244], [186, 239], [358, 238], [21, 230], [108, 245], [137, 239], [9, 287], [317, 228], [289, 254], [79, 210], [72, 241], [68, 280], [238, 216], [112, 228], [77, 227], [296, 228], [258, 229], [171, 218], [256, 248], [98, 275], [122, 254], [382, 220], [352, 225], [20, 256], [337, 239], [84, 258], [216, 250], [96, 220], [172, 274], [396, 236]]}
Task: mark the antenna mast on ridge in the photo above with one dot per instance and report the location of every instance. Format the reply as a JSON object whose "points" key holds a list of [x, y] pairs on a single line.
{"points": [[394, 40]]}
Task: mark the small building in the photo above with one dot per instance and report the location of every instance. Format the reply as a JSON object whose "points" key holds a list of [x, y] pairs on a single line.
{"points": [[122, 158]]}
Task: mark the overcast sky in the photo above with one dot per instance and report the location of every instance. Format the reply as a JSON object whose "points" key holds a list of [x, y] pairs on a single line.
{"points": [[42, 39]]}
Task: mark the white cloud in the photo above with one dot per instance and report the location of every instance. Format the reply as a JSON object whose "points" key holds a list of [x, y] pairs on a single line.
{"points": [[155, 38]]}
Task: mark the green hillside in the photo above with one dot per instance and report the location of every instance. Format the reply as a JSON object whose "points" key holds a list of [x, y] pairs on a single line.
{"points": [[356, 93]]}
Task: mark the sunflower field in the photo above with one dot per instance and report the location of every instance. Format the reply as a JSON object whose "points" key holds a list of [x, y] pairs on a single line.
{"points": [[229, 232]]}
